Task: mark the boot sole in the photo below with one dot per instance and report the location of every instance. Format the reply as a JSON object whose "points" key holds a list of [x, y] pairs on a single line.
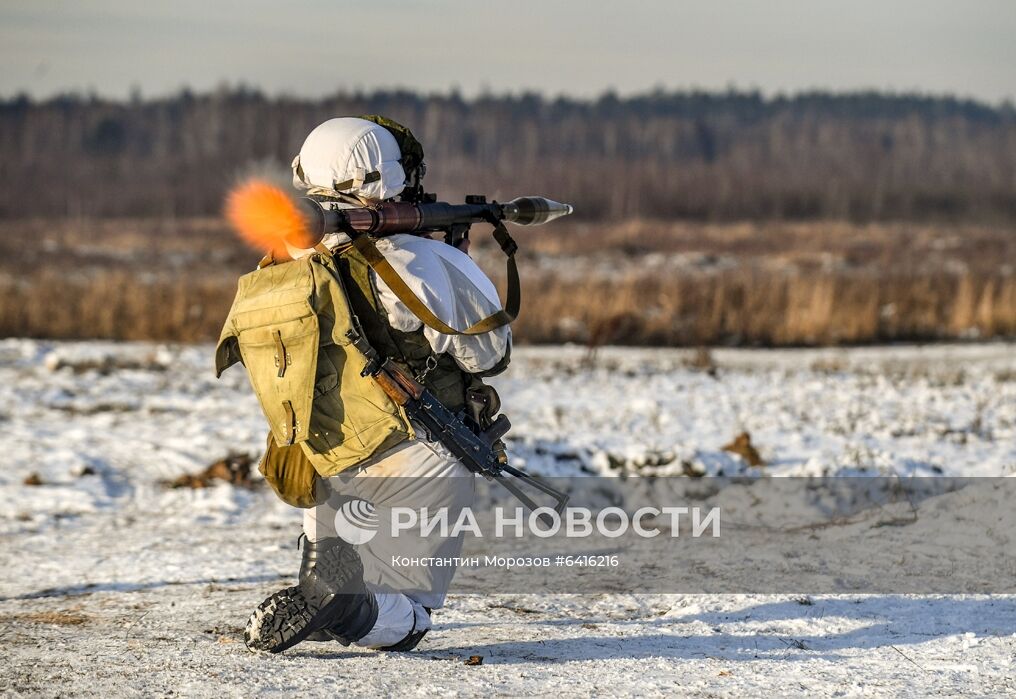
{"points": [[289, 616]]}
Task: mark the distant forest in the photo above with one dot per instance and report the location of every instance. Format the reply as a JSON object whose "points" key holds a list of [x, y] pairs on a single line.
{"points": [[690, 155]]}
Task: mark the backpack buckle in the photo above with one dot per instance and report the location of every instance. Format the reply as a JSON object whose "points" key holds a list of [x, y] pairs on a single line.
{"points": [[282, 357]]}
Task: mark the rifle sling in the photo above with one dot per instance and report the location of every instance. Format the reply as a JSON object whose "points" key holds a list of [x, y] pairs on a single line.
{"points": [[366, 247]]}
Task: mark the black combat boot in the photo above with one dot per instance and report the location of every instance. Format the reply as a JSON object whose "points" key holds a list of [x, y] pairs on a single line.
{"points": [[312, 551], [331, 598], [412, 639]]}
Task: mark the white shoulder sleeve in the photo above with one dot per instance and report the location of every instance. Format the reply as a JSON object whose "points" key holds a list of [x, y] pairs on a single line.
{"points": [[454, 288]]}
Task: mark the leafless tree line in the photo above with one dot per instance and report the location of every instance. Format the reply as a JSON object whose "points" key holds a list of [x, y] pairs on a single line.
{"points": [[697, 156]]}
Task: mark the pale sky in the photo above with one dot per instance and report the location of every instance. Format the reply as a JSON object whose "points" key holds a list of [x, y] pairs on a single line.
{"points": [[314, 47]]}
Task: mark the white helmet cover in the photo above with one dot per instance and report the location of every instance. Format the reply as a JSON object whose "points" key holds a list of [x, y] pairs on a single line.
{"points": [[352, 156]]}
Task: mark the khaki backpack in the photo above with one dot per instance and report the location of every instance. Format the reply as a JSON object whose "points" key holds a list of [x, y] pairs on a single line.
{"points": [[288, 325]]}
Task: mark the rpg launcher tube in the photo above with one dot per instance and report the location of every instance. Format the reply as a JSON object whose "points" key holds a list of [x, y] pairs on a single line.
{"points": [[404, 217]]}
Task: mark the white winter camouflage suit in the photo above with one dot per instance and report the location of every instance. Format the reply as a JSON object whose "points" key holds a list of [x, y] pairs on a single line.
{"points": [[420, 473]]}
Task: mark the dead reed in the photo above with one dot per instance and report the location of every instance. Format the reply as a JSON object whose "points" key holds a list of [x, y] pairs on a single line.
{"points": [[750, 307], [636, 283]]}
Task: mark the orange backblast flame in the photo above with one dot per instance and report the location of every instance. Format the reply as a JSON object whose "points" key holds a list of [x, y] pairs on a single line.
{"points": [[266, 217]]}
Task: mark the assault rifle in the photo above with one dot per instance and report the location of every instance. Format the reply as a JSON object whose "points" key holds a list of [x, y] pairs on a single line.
{"points": [[474, 447]]}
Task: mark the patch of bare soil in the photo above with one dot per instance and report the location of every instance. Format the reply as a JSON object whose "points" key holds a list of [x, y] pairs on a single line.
{"points": [[235, 469], [58, 618], [743, 447]]}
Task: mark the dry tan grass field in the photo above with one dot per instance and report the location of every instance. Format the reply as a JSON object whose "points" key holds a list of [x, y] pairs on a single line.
{"points": [[817, 283]]}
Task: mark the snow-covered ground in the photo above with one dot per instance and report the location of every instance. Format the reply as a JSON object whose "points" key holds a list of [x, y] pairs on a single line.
{"points": [[112, 583]]}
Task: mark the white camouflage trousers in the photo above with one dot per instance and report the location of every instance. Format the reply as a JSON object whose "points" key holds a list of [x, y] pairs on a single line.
{"points": [[419, 475]]}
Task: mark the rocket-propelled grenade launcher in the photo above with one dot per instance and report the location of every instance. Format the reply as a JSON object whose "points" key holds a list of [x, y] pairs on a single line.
{"points": [[271, 219], [431, 216]]}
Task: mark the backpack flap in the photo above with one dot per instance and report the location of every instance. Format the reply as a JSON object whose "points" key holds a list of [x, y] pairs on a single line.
{"points": [[273, 329]]}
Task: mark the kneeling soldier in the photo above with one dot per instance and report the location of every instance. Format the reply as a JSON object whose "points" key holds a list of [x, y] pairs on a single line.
{"points": [[336, 439]]}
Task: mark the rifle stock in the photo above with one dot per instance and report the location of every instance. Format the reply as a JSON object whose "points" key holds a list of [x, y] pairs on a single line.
{"points": [[473, 447]]}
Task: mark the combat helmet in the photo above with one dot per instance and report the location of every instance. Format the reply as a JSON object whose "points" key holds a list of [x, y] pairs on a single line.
{"points": [[364, 159]]}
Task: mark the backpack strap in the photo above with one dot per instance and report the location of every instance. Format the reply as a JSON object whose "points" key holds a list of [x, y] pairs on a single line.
{"points": [[366, 247]]}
